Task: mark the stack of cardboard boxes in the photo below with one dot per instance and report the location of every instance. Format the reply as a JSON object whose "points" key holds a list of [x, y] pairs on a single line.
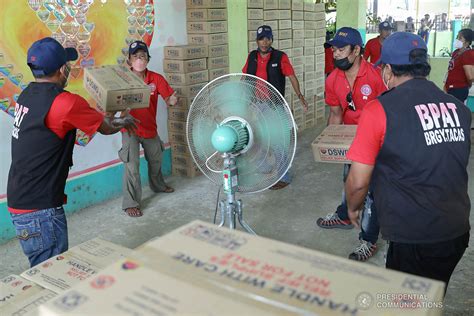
{"points": [[299, 30], [188, 68]]}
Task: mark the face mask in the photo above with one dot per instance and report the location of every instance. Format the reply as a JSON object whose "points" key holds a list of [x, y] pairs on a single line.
{"points": [[344, 64], [139, 65], [458, 44], [383, 79]]}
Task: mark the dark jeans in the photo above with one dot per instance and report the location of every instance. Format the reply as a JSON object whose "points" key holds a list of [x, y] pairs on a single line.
{"points": [[459, 93], [369, 223], [435, 261], [42, 234]]}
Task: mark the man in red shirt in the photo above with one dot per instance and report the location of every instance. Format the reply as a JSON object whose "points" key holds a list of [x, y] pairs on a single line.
{"points": [[44, 132], [413, 144], [146, 134], [461, 66], [349, 88], [373, 48], [273, 66]]}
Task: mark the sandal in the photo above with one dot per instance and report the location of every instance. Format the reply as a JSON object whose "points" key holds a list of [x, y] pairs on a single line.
{"points": [[168, 190], [133, 212]]}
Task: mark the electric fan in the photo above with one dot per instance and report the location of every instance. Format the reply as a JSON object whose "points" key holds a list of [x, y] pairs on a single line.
{"points": [[241, 135]]}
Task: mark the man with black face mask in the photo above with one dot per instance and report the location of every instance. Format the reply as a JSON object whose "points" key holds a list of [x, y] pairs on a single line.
{"points": [[273, 66], [43, 136], [349, 88]]}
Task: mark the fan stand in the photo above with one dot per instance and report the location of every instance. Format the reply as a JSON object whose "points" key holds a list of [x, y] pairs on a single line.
{"points": [[231, 209]]}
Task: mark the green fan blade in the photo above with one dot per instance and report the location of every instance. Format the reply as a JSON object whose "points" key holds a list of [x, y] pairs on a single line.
{"points": [[232, 98]]}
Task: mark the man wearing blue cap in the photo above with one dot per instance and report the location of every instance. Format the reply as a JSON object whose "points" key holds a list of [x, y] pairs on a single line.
{"points": [[349, 88], [44, 132], [413, 143], [373, 48], [273, 66]]}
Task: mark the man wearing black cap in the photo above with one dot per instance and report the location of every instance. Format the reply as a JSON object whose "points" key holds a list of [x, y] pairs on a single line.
{"points": [[373, 48], [146, 134], [273, 66], [349, 88], [414, 143], [44, 132]]}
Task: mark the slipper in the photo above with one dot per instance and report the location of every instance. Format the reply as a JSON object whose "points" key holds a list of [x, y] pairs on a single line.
{"points": [[279, 185], [133, 212], [168, 190]]}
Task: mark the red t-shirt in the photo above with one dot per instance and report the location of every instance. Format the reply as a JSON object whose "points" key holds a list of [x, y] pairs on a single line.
{"points": [[328, 60], [456, 74], [147, 127], [368, 85], [69, 111], [370, 134], [373, 50], [286, 67]]}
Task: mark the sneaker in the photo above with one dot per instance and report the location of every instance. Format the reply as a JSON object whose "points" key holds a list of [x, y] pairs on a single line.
{"points": [[364, 251], [332, 220]]}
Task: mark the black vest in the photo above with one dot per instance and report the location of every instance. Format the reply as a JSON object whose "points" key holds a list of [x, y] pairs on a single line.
{"points": [[40, 159], [274, 74], [420, 174]]}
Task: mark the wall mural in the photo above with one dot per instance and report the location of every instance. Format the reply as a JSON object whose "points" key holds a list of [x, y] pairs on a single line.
{"points": [[100, 30]]}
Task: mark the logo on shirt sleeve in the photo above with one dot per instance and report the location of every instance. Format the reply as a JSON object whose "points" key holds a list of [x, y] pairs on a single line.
{"points": [[152, 88]]}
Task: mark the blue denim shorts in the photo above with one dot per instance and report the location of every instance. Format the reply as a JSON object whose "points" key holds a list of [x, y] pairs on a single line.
{"points": [[42, 234]]}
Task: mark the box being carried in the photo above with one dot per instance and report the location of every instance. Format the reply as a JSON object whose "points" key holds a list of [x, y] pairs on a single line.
{"points": [[116, 88], [333, 143]]}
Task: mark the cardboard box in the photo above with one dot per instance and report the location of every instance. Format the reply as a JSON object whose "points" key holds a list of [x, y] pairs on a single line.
{"points": [[202, 4], [218, 62], [271, 15], [218, 50], [298, 25], [184, 66], [284, 4], [254, 14], [182, 52], [319, 60], [318, 49], [320, 16], [285, 34], [298, 34], [273, 24], [79, 263], [254, 24], [187, 78], [270, 4], [284, 14], [309, 6], [206, 14], [309, 50], [286, 278], [276, 44], [333, 143], [297, 15], [176, 113], [206, 27], [309, 76], [309, 33], [183, 161], [321, 32], [310, 25], [208, 39], [255, 4], [285, 43], [297, 51], [309, 42], [318, 41], [297, 5], [310, 16], [19, 296], [189, 91], [180, 149], [177, 137], [309, 67], [289, 52], [218, 72], [284, 24], [253, 45], [185, 172], [297, 42], [177, 126], [300, 67], [116, 88], [319, 24], [297, 60], [319, 7]]}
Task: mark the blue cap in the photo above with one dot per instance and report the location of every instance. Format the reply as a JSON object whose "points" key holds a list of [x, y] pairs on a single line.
{"points": [[346, 36], [136, 46], [47, 55], [264, 31], [397, 47], [385, 25]]}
